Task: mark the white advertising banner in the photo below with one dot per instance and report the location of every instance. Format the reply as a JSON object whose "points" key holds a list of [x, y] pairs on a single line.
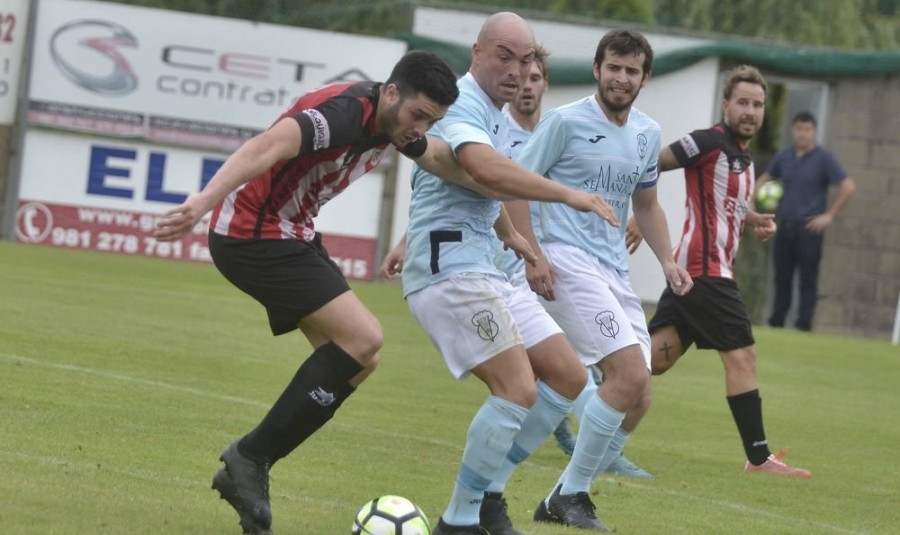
{"points": [[183, 79], [107, 195], [13, 25], [163, 97]]}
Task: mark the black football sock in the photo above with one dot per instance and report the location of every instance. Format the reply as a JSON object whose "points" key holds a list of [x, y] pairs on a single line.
{"points": [[319, 387], [747, 411]]}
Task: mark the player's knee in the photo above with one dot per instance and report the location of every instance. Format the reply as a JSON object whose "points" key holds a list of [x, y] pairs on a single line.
{"points": [[746, 362], [575, 385], [640, 386], [568, 383], [524, 394], [366, 342]]}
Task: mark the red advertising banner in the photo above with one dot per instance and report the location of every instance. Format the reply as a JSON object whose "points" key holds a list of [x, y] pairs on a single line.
{"points": [[127, 232]]}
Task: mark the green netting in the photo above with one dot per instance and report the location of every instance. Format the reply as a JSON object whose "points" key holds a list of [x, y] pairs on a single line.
{"points": [[810, 62]]}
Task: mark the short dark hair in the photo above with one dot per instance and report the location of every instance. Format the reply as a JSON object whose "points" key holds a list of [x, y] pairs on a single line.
{"points": [[625, 42], [743, 73], [425, 72], [804, 117]]}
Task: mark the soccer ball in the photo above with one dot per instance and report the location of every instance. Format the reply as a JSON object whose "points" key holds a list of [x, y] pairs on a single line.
{"points": [[768, 196], [390, 515]]}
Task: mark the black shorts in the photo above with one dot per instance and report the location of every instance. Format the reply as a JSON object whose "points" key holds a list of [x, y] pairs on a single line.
{"points": [[712, 315], [290, 278]]}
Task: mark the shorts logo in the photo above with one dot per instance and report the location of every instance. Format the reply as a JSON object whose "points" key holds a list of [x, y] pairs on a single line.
{"points": [[609, 327], [485, 325], [321, 133], [690, 146]]}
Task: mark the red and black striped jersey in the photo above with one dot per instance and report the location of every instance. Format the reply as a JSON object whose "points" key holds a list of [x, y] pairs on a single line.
{"points": [[719, 178], [338, 145]]}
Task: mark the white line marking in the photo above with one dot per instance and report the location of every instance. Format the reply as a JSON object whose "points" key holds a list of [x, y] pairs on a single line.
{"points": [[202, 393]]}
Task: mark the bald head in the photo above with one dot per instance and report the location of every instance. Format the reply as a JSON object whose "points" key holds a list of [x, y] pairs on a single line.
{"points": [[505, 24], [502, 56]]}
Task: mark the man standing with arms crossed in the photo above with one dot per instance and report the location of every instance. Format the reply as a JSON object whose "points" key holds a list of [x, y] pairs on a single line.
{"points": [[718, 172]]}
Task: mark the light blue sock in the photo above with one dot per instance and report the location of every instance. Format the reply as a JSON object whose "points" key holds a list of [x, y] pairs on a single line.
{"points": [[490, 437], [616, 447], [549, 409], [598, 425], [590, 391]]}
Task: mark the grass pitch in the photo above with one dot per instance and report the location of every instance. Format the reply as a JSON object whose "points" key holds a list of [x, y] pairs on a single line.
{"points": [[122, 378]]}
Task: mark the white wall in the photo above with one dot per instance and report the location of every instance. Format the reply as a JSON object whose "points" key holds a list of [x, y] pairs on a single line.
{"points": [[681, 101]]}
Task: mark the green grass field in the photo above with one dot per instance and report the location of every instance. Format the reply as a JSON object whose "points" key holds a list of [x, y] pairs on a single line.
{"points": [[122, 378]]}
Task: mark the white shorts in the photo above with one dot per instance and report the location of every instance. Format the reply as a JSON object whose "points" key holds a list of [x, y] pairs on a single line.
{"points": [[534, 322], [594, 305], [467, 318]]}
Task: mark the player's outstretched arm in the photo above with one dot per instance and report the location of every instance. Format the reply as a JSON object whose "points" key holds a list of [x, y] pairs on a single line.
{"points": [[252, 159], [440, 162], [651, 220], [496, 172]]}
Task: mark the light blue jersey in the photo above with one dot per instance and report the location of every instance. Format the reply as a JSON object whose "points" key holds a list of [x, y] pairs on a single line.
{"points": [[451, 229], [577, 146], [505, 260]]}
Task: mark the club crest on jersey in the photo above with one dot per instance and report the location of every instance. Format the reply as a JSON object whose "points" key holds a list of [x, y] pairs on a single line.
{"points": [[609, 327], [485, 325], [738, 164], [642, 145]]}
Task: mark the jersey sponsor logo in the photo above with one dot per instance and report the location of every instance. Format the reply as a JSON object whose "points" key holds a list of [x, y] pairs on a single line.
{"points": [[321, 133], [642, 145], [485, 325], [609, 327], [690, 146], [596, 138], [322, 396]]}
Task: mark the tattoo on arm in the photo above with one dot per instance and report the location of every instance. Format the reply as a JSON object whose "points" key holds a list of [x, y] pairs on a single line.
{"points": [[665, 349]]}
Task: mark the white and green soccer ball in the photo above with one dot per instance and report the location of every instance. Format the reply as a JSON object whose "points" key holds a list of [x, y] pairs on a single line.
{"points": [[390, 515], [768, 196]]}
